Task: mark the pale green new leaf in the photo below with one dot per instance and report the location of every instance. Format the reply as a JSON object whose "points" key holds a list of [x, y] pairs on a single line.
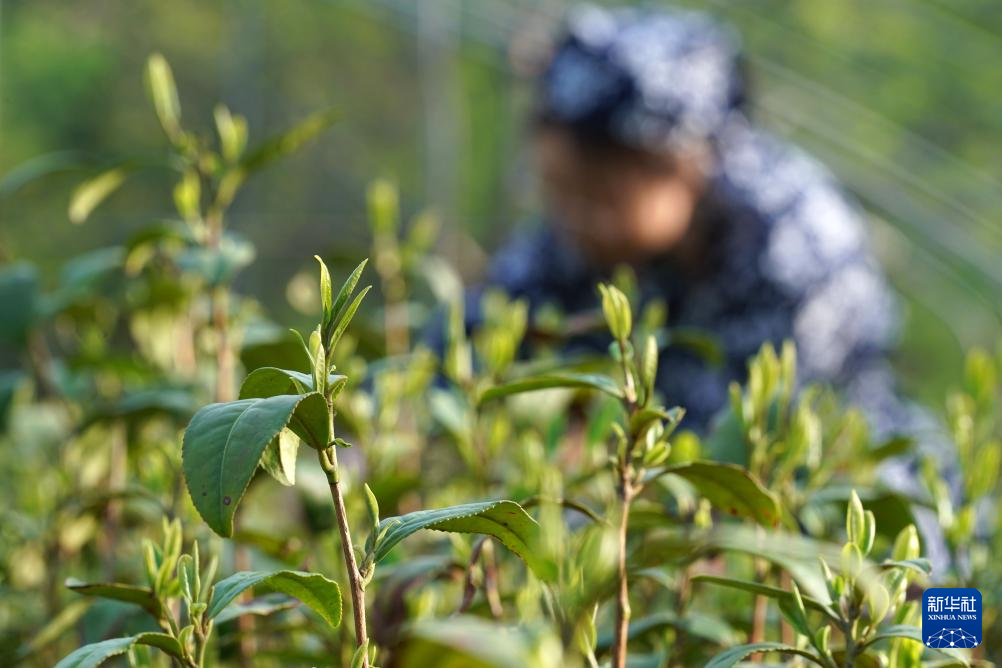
{"points": [[504, 520], [162, 90], [729, 488], [348, 287], [326, 292], [279, 458], [89, 194], [323, 596], [224, 443], [344, 319], [232, 133]]}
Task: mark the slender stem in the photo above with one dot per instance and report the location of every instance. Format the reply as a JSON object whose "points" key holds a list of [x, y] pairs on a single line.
{"points": [[328, 459], [623, 598], [469, 582], [491, 592], [626, 494]]}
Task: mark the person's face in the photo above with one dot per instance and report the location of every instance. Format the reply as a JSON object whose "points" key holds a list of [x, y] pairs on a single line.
{"points": [[622, 206]]}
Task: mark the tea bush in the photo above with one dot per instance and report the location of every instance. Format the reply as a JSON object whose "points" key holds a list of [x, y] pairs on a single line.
{"points": [[467, 506]]}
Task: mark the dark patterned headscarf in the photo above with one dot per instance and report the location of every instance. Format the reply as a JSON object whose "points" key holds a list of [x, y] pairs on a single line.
{"points": [[652, 81]]}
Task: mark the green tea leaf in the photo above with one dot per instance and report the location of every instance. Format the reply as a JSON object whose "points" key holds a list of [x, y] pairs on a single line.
{"points": [[344, 319], [504, 520], [140, 596], [311, 421], [89, 194], [736, 655], [616, 308], [223, 446], [279, 458], [232, 133], [326, 292], [269, 381], [163, 92], [348, 287], [552, 380], [730, 488], [97, 653], [322, 595], [643, 418]]}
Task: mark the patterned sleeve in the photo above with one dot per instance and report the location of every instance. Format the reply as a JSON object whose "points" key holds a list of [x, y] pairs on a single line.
{"points": [[816, 270]]}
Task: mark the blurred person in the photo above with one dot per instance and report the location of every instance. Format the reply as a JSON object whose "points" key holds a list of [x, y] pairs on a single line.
{"points": [[647, 157]]}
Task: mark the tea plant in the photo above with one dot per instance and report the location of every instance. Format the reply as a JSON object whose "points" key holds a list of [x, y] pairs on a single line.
{"points": [[278, 408], [115, 357], [860, 602], [173, 577]]}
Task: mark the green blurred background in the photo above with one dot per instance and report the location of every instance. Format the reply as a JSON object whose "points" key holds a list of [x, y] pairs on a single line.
{"points": [[901, 98]]}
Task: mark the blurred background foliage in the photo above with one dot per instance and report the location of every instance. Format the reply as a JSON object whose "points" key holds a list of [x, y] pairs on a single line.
{"points": [[899, 98]]}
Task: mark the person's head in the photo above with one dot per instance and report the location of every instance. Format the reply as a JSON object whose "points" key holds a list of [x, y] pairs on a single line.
{"points": [[629, 110]]}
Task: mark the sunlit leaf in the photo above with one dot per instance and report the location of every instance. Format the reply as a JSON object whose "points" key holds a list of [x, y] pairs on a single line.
{"points": [[729, 488], [279, 458], [163, 92], [89, 194], [232, 132], [504, 520]]}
